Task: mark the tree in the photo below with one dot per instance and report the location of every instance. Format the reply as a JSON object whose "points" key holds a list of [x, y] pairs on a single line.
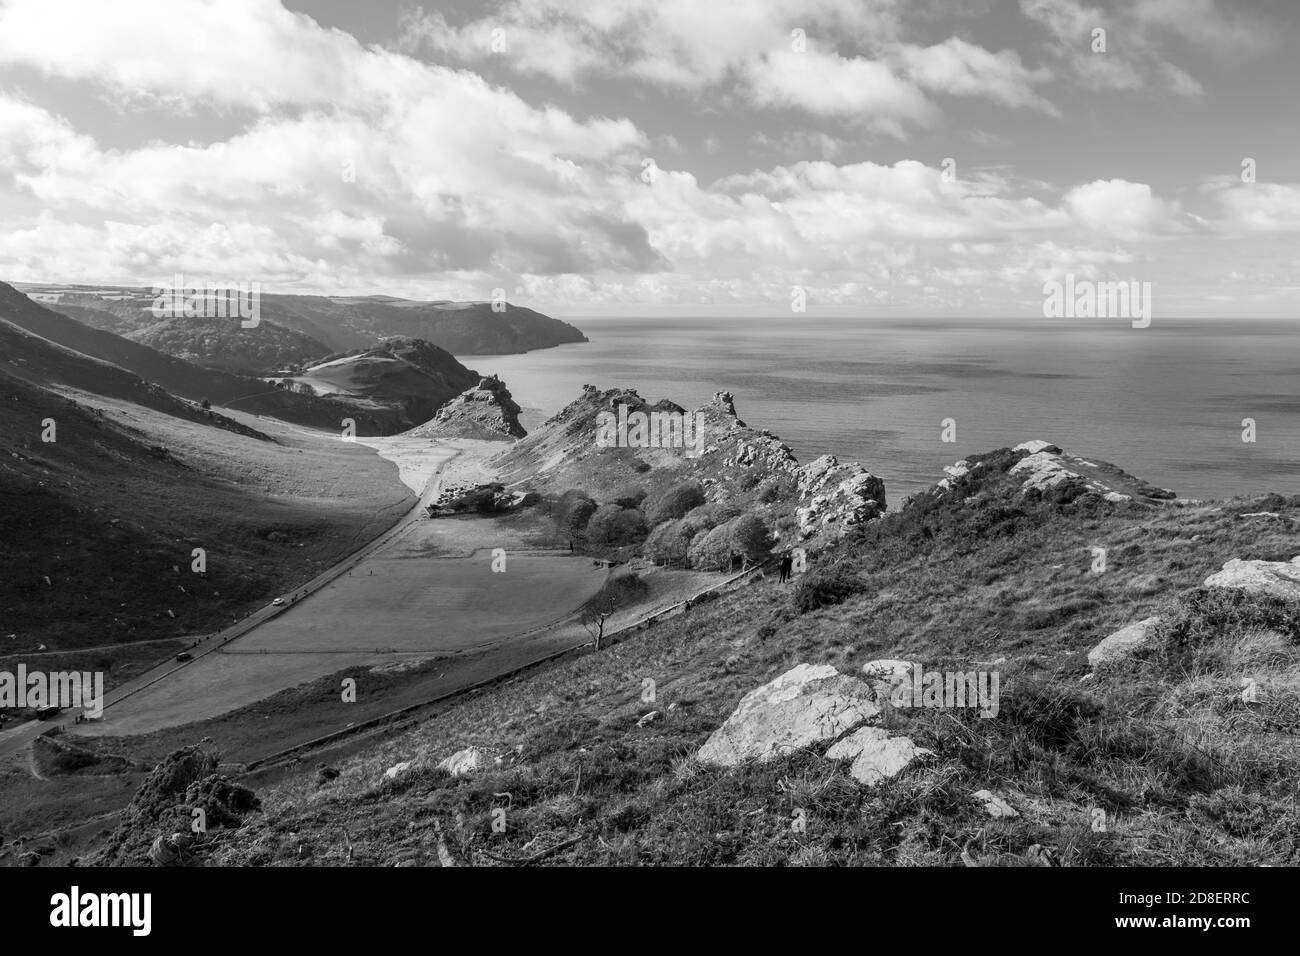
{"points": [[612, 526], [575, 510], [674, 503], [206, 405], [618, 592]]}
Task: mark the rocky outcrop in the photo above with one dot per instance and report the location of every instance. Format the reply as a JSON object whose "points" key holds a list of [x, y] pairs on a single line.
{"points": [[157, 825], [1047, 469], [1040, 468], [837, 495], [804, 706], [1280, 579], [486, 411], [1123, 643]]}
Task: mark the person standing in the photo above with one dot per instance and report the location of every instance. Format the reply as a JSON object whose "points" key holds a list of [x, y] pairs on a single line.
{"points": [[787, 562]]}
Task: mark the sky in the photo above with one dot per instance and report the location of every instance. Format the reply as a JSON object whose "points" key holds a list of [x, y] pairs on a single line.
{"points": [[677, 157]]}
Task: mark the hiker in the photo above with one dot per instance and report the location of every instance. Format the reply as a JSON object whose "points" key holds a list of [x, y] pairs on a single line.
{"points": [[787, 563]]}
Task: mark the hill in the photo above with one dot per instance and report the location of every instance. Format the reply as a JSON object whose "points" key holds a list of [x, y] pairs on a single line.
{"points": [[486, 411], [409, 377], [322, 324], [183, 378], [1155, 759]]}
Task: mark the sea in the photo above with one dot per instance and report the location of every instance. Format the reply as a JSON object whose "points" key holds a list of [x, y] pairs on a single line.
{"points": [[1172, 403]]}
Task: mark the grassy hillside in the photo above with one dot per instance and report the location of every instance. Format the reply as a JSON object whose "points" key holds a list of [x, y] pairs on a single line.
{"points": [[184, 378], [99, 525], [984, 573], [409, 377], [339, 322]]}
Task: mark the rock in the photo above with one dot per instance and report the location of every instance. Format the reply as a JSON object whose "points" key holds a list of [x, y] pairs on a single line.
{"points": [[1273, 578], [836, 494], [1037, 445], [649, 718], [469, 760], [487, 411], [995, 805], [876, 756], [1123, 643], [805, 705], [397, 769], [882, 675]]}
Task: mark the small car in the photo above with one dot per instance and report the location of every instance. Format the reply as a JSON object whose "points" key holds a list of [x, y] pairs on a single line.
{"points": [[277, 602], [184, 656]]}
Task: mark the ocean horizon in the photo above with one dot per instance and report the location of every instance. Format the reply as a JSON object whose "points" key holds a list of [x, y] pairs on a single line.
{"points": [[1166, 403]]}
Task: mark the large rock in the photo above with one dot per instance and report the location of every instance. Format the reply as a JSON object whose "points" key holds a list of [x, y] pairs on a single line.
{"points": [[836, 494], [1123, 643], [804, 706], [875, 754], [487, 411], [1274, 578]]}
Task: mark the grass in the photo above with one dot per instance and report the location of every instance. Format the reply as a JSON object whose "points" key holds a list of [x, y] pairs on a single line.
{"points": [[1158, 761]]}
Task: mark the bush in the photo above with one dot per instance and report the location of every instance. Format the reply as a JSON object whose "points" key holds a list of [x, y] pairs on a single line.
{"points": [[669, 543], [674, 503], [751, 538], [574, 511], [825, 587], [712, 551], [628, 497], [611, 525]]}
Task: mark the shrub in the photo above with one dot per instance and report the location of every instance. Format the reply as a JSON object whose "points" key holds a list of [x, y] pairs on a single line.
{"points": [[751, 538], [670, 542], [574, 511], [611, 525], [712, 551], [825, 587], [628, 497], [674, 503]]}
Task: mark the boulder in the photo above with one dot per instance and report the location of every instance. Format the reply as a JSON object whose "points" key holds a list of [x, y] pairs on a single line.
{"points": [[805, 705], [875, 754], [1123, 643], [1274, 578], [469, 760]]}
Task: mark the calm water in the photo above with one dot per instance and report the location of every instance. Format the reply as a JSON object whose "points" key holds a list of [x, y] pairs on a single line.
{"points": [[1165, 402]]}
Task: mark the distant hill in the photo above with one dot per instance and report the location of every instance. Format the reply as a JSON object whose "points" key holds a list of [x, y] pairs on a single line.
{"points": [[188, 380], [304, 328], [409, 376]]}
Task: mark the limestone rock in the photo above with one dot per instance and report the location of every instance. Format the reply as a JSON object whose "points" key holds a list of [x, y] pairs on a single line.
{"points": [[805, 705], [393, 772], [1274, 578], [1123, 643], [875, 754]]}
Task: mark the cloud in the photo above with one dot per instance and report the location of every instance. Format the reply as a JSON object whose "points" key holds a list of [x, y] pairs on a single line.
{"points": [[1120, 208], [766, 54]]}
